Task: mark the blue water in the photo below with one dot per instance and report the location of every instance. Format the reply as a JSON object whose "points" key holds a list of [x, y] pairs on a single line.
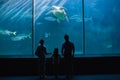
{"points": [[101, 26]]}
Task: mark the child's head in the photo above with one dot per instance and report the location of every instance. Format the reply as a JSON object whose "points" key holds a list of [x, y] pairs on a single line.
{"points": [[56, 50]]}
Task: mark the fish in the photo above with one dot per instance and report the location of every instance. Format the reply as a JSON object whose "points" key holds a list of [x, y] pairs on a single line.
{"points": [[39, 23], [75, 16], [109, 46], [50, 18], [7, 32], [78, 18], [47, 34], [21, 37]]}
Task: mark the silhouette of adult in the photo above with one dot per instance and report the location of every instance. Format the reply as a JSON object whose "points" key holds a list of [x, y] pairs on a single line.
{"points": [[40, 52], [56, 61], [68, 50]]}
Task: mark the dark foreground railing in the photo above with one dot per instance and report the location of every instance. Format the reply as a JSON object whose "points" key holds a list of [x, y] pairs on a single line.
{"points": [[83, 65]]}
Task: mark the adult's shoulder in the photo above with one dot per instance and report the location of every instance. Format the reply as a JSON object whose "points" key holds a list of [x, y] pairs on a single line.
{"points": [[44, 46], [70, 42], [63, 43], [38, 46]]}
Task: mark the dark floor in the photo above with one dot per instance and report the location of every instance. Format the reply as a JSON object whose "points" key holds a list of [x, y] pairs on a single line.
{"points": [[80, 77]]}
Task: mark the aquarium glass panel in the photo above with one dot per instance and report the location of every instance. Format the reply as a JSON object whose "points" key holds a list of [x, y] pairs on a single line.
{"points": [[15, 27], [54, 19], [102, 27]]}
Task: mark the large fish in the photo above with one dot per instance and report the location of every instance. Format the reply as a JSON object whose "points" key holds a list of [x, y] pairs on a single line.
{"points": [[50, 18], [21, 37], [78, 18], [7, 32]]}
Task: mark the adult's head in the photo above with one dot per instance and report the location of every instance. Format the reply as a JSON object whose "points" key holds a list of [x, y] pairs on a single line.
{"points": [[41, 42], [66, 37]]}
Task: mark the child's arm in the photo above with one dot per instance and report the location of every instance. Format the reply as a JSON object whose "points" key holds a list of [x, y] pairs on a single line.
{"points": [[52, 56], [59, 58]]}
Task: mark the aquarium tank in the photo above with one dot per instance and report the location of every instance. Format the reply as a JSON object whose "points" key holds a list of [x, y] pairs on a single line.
{"points": [[92, 25]]}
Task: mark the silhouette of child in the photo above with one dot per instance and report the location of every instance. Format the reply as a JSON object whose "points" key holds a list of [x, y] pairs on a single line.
{"points": [[56, 61]]}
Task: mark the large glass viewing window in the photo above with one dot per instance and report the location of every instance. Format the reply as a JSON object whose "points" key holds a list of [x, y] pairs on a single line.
{"points": [[24, 22], [15, 27], [48, 27], [102, 21]]}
